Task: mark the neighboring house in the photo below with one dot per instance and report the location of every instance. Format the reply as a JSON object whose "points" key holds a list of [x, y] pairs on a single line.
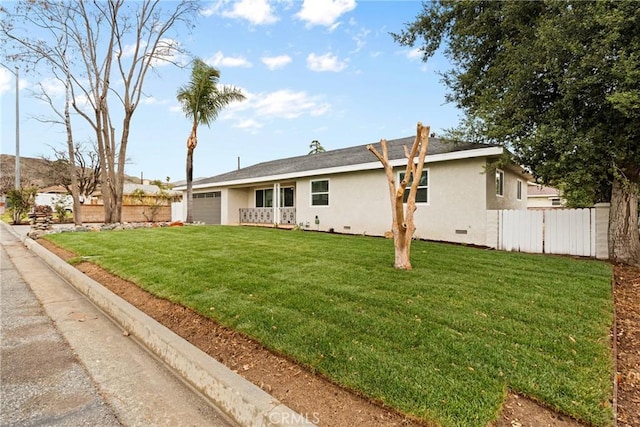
{"points": [[142, 194], [346, 191], [541, 197], [54, 195]]}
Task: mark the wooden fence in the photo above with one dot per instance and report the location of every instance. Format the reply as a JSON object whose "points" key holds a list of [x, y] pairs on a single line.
{"points": [[581, 232], [130, 213]]}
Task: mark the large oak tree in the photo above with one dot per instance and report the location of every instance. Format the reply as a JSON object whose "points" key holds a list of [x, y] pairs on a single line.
{"points": [[556, 81]]}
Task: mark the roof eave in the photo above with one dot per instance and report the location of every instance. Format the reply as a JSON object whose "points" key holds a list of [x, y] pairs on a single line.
{"points": [[433, 158]]}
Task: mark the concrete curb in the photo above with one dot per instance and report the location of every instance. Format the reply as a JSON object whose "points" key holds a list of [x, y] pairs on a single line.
{"points": [[245, 402]]}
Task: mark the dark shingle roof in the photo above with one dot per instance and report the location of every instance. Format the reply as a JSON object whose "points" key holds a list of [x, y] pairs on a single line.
{"points": [[334, 158]]}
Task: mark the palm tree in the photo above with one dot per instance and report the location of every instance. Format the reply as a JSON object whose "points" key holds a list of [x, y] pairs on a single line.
{"points": [[202, 99]]}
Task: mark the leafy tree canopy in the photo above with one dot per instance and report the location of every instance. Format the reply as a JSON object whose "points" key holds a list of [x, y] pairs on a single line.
{"points": [[316, 147], [558, 81]]}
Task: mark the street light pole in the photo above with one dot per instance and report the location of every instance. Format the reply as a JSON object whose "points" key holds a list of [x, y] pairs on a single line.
{"points": [[17, 130]]}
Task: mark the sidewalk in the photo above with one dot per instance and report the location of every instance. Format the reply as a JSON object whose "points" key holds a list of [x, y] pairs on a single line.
{"points": [[64, 363], [41, 381]]}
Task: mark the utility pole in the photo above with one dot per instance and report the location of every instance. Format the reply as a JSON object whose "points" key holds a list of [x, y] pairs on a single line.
{"points": [[17, 73]]}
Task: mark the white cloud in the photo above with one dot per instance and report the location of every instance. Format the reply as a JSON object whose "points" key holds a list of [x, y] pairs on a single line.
{"points": [[360, 39], [6, 79], [130, 49], [287, 104], [150, 100], [275, 62], [219, 60], [53, 87], [324, 12], [334, 26], [320, 110], [248, 124], [326, 62], [8, 82], [212, 9], [282, 104], [167, 52], [83, 102], [413, 54], [257, 12]]}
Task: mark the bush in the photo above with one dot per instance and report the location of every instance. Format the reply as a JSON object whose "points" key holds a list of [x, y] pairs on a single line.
{"points": [[61, 209], [20, 202]]}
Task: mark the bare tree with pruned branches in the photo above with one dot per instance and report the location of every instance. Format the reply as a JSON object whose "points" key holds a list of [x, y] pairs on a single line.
{"points": [[85, 176], [89, 45], [402, 225]]}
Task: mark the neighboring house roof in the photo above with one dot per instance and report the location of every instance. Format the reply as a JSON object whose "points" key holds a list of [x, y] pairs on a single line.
{"points": [[54, 189], [183, 182], [536, 190], [344, 160]]}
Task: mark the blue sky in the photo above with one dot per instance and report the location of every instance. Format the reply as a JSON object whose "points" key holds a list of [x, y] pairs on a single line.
{"points": [[318, 69]]}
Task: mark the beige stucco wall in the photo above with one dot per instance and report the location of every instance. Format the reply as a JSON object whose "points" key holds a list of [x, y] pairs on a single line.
{"points": [[542, 202], [457, 203], [508, 200], [232, 200], [359, 203]]}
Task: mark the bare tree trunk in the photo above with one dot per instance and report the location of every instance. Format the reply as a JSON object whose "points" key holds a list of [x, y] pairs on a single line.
{"points": [[105, 180], [402, 225], [104, 176], [624, 238], [77, 207]]}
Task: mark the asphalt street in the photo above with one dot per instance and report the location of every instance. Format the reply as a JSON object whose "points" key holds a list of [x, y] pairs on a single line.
{"points": [[64, 363]]}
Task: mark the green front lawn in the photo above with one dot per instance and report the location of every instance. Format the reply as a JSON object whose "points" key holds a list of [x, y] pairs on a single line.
{"points": [[443, 342]]}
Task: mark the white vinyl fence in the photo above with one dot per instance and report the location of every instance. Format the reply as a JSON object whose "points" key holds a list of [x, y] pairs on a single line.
{"points": [[570, 231], [581, 232], [520, 230]]}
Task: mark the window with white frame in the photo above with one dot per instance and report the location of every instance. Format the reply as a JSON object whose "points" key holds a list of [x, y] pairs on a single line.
{"points": [[320, 193], [422, 196], [519, 190], [499, 182], [264, 198]]}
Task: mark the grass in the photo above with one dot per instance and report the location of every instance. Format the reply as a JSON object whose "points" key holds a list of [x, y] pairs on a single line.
{"points": [[443, 342]]}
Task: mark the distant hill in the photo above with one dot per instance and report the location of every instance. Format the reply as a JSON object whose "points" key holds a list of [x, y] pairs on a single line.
{"points": [[33, 172]]}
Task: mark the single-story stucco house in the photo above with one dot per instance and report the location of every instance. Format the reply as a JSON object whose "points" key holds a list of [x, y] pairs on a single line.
{"points": [[346, 191]]}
